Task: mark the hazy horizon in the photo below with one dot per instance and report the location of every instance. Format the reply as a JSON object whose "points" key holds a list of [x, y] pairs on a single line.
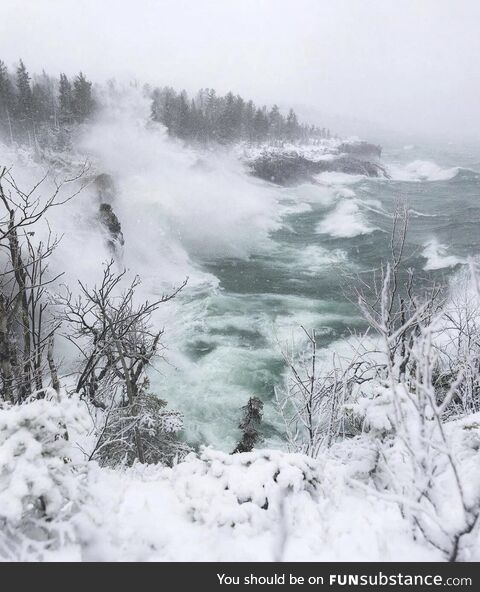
{"points": [[373, 65]]}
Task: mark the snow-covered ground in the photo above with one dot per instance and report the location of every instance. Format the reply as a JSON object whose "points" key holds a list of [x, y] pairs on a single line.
{"points": [[264, 505]]}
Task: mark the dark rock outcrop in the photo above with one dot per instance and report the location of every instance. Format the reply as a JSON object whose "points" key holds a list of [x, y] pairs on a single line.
{"points": [[108, 219], [292, 168], [105, 188], [110, 222]]}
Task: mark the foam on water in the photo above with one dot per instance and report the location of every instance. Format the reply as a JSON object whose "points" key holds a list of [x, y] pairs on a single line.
{"points": [[422, 170], [315, 259], [345, 221], [437, 256], [261, 259]]}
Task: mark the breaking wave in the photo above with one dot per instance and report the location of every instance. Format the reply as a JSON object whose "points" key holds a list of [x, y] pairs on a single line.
{"points": [[345, 221], [437, 256], [422, 170]]}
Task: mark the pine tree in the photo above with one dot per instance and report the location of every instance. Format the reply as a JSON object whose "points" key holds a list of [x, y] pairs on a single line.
{"points": [[41, 104], [226, 123], [24, 103], [248, 121], [164, 108], [212, 114], [292, 126], [83, 104], [65, 100], [252, 418], [275, 123], [260, 125], [7, 102], [182, 127]]}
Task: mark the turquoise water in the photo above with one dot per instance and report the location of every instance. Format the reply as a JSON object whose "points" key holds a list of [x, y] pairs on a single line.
{"points": [[330, 233]]}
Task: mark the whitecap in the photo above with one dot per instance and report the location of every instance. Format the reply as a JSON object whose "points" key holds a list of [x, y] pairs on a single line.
{"points": [[345, 221], [437, 258], [315, 258], [422, 170]]}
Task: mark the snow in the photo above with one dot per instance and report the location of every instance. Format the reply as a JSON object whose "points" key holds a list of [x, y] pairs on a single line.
{"points": [[325, 149], [264, 505], [212, 507]]}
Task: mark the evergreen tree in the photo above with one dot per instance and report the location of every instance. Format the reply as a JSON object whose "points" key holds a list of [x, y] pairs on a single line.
{"points": [[248, 121], [260, 125], [226, 123], [292, 126], [275, 123], [7, 102], [212, 113], [182, 123], [252, 418], [41, 104], [65, 100], [164, 108], [24, 102], [83, 104], [238, 118]]}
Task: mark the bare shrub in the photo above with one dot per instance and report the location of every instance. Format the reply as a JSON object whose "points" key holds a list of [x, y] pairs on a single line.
{"points": [[117, 345]]}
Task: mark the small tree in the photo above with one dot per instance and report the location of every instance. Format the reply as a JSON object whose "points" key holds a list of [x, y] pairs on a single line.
{"points": [[251, 421], [311, 399], [24, 102], [65, 100], [118, 344], [83, 104], [26, 326], [7, 102], [148, 423]]}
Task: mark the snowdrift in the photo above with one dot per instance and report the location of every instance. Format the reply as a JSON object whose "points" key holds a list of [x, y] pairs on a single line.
{"points": [[264, 505]]}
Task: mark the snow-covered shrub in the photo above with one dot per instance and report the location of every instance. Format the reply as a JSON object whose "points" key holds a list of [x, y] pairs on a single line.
{"points": [[421, 460], [312, 398], [457, 341], [147, 419], [39, 485], [260, 506], [243, 490], [427, 376]]}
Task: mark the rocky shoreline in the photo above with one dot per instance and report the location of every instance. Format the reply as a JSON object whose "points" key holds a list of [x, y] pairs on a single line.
{"points": [[289, 165]]}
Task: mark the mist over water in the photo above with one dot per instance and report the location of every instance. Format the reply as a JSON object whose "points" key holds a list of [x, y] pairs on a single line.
{"points": [[329, 233], [261, 260]]}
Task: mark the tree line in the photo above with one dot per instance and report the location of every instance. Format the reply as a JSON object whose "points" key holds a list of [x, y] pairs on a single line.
{"points": [[210, 118], [33, 106], [39, 109]]}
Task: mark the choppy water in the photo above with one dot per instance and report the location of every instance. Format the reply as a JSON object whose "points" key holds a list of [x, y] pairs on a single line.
{"points": [[262, 260], [329, 232]]}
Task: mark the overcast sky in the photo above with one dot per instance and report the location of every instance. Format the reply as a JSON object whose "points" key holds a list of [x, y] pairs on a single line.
{"points": [[413, 65]]}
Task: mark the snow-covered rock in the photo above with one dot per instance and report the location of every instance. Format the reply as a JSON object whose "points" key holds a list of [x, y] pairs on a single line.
{"points": [[288, 164]]}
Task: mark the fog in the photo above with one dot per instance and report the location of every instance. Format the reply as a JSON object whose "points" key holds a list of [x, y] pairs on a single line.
{"points": [[379, 64]]}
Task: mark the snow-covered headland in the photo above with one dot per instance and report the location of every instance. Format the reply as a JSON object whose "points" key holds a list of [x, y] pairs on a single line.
{"points": [[287, 164]]}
